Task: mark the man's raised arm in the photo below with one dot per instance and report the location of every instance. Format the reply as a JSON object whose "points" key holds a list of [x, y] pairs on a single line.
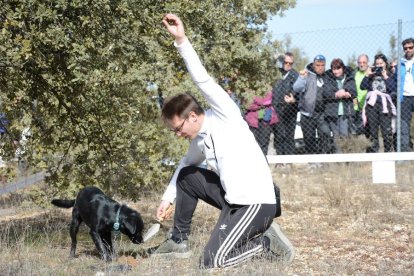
{"points": [[175, 27]]}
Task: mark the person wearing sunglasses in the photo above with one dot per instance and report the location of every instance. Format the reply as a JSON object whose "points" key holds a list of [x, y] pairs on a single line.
{"points": [[285, 105], [407, 93], [242, 188]]}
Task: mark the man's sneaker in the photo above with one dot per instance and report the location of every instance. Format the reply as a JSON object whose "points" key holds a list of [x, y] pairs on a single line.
{"points": [[280, 246], [170, 248]]}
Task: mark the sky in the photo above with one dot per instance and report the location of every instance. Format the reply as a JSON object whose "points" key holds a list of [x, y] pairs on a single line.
{"points": [[350, 26]]}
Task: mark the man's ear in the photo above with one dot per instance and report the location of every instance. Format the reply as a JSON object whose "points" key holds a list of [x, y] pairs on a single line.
{"points": [[193, 116]]}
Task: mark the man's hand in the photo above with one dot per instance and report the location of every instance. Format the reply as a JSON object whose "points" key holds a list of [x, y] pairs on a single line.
{"points": [[290, 98], [175, 27], [303, 73], [164, 211], [355, 101], [368, 72]]}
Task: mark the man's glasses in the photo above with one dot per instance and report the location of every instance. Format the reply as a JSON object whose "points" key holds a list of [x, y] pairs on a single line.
{"points": [[288, 63], [408, 48], [180, 127]]}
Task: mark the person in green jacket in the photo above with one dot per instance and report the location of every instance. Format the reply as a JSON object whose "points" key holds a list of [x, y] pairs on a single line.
{"points": [[357, 125]]}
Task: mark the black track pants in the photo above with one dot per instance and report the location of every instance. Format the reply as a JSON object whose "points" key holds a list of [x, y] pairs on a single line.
{"points": [[237, 236]]}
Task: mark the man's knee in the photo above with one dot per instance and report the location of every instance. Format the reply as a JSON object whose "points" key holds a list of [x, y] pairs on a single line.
{"points": [[207, 260], [185, 172]]}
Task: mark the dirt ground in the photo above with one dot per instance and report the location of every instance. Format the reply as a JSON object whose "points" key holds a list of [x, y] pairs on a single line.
{"points": [[339, 222]]}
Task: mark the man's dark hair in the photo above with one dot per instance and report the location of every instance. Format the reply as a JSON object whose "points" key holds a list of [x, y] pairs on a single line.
{"points": [[408, 40], [180, 105], [289, 54]]}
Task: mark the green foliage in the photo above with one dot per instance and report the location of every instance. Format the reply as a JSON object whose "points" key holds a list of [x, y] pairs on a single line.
{"points": [[77, 73], [300, 57], [352, 61], [393, 54]]}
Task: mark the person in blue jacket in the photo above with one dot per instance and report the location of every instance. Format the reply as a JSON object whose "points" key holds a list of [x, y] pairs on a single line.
{"points": [[407, 93]]}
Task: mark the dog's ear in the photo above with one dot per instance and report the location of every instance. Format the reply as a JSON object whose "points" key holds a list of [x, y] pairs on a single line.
{"points": [[130, 223], [133, 223]]}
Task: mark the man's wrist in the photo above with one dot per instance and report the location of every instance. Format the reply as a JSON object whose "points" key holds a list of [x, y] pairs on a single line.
{"points": [[180, 40]]}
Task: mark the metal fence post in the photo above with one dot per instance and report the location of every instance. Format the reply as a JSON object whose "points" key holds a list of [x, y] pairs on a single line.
{"points": [[399, 86]]}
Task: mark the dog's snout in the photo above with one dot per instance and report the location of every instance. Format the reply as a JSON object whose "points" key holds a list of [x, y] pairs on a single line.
{"points": [[137, 239]]}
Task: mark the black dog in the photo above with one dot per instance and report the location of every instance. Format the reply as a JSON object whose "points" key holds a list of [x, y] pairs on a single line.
{"points": [[102, 215]]}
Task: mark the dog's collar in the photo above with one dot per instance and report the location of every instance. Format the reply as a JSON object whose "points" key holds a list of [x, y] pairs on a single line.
{"points": [[117, 224]]}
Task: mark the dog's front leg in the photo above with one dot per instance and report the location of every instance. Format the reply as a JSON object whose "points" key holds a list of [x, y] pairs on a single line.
{"points": [[100, 245], [107, 242]]}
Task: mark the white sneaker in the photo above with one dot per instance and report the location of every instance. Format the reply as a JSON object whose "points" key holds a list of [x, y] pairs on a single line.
{"points": [[171, 248], [279, 244]]}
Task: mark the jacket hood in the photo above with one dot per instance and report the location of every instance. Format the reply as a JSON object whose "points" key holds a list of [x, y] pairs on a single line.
{"points": [[309, 67]]}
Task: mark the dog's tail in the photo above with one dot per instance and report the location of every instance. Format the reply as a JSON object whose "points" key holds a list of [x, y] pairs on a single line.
{"points": [[63, 203]]}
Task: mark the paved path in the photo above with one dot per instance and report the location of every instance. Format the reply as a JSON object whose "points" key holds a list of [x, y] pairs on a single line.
{"points": [[23, 182]]}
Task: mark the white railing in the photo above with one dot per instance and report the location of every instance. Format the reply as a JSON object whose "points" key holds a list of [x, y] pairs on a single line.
{"points": [[383, 164]]}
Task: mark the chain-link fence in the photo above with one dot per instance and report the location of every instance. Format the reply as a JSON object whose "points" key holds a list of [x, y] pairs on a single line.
{"points": [[350, 105]]}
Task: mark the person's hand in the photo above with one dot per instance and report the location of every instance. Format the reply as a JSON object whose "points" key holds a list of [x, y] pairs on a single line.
{"points": [[289, 98], [175, 27], [164, 211], [368, 72], [355, 101], [347, 95], [303, 73], [340, 93], [384, 74]]}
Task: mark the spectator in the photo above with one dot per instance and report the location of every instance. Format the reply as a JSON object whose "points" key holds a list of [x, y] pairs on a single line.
{"points": [[242, 188], [339, 107], [407, 93], [261, 117], [285, 104], [379, 108], [394, 64], [357, 124], [3, 125], [310, 87], [3, 129]]}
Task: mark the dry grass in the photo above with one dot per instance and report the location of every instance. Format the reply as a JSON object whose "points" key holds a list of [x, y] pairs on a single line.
{"points": [[354, 144], [339, 222]]}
